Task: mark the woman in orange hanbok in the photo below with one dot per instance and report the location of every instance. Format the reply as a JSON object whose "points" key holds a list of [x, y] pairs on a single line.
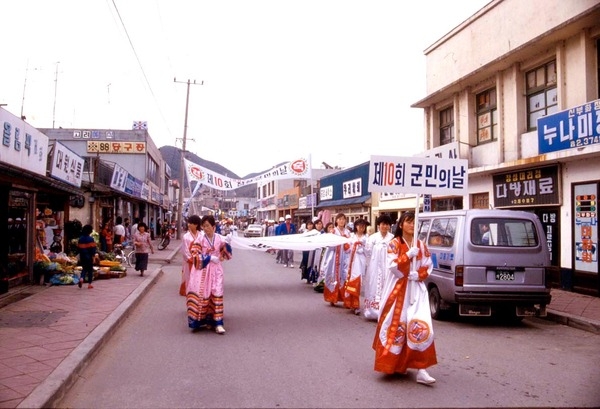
{"points": [[404, 335]]}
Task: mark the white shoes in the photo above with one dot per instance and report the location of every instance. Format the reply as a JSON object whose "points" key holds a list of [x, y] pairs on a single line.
{"points": [[424, 377], [291, 266], [220, 330]]}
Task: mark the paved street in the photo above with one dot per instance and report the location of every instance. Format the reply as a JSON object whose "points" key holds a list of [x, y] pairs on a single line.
{"points": [[264, 303]]}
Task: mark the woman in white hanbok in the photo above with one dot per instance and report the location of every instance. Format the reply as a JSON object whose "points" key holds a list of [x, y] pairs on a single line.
{"points": [[357, 266], [376, 254]]}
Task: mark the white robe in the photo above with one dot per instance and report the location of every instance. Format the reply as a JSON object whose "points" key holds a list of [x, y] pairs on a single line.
{"points": [[372, 285]]}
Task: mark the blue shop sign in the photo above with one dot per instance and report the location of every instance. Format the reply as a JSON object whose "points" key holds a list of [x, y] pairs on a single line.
{"points": [[572, 128]]}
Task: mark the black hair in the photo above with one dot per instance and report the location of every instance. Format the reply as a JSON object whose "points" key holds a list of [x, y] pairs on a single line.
{"points": [[87, 230], [384, 218], [142, 224], [359, 222], [210, 219], [194, 219], [406, 216]]}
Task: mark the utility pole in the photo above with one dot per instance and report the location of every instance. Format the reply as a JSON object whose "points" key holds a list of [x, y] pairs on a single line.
{"points": [[55, 88], [182, 164]]}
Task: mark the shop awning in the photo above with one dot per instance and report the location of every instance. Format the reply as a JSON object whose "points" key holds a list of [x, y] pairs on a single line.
{"points": [[35, 181], [344, 202]]}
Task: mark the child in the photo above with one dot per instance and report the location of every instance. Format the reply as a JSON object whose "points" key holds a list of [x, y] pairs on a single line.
{"points": [[87, 251]]}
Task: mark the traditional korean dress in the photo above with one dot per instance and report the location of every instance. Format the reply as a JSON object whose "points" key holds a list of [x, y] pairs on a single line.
{"points": [[335, 269], [189, 241], [404, 335], [205, 284], [356, 270], [376, 252]]}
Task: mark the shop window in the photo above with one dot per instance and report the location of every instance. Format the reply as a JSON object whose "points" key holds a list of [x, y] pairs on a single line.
{"points": [[480, 201], [542, 93], [446, 126], [487, 116]]}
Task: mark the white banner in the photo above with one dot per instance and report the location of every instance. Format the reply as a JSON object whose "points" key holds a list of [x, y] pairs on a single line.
{"points": [[297, 169], [392, 174], [299, 242]]}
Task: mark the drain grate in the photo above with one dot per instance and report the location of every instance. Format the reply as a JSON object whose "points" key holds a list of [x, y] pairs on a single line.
{"points": [[26, 319]]}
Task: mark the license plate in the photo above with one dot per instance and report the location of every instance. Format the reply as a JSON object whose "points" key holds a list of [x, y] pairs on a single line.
{"points": [[505, 275]]}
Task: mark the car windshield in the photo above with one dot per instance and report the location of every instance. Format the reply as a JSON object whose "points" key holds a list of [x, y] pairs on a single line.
{"points": [[504, 232]]}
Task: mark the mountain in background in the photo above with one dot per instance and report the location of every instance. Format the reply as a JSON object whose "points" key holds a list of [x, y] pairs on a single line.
{"points": [[172, 155]]}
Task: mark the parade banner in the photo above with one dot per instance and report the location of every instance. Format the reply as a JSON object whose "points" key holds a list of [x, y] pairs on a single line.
{"points": [[296, 169], [393, 174], [299, 242]]}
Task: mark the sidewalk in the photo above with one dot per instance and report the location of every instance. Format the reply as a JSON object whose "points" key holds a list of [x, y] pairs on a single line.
{"points": [[47, 338]]}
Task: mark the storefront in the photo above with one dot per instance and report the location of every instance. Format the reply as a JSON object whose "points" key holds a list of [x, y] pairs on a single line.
{"points": [[34, 205], [345, 192]]}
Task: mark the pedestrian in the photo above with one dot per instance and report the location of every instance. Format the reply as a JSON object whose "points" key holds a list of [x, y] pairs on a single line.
{"points": [[205, 286], [142, 244], [119, 231], [287, 227], [357, 266], [86, 247], [190, 246], [335, 264], [107, 233], [376, 253], [327, 253], [152, 227], [404, 335]]}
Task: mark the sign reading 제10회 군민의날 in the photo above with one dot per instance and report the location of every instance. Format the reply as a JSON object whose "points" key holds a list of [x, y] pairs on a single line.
{"points": [[416, 175], [573, 128]]}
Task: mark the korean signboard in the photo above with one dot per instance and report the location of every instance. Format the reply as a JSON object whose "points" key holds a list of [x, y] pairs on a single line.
{"points": [[586, 227], [418, 175], [116, 147], [23, 146], [572, 128], [66, 165], [352, 188], [529, 187]]}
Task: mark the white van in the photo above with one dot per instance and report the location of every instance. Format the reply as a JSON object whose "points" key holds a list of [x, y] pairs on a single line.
{"points": [[486, 262]]}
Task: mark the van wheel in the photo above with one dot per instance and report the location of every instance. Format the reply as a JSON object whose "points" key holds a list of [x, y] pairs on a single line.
{"points": [[435, 301]]}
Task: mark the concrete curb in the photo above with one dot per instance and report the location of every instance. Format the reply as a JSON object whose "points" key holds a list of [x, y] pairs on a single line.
{"points": [[574, 321], [51, 390]]}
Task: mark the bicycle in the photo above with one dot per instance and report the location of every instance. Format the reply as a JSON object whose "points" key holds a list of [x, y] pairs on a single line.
{"points": [[125, 257], [165, 240]]}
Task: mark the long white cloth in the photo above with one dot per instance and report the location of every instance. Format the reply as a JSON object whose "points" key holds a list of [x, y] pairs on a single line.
{"points": [[300, 242]]}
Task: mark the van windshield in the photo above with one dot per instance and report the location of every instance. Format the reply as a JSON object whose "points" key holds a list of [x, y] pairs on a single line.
{"points": [[504, 232]]}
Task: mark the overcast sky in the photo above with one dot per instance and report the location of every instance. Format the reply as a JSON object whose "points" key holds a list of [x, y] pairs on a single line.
{"points": [[333, 79]]}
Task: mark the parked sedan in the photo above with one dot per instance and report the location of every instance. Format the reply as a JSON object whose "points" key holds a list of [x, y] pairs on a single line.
{"points": [[253, 230]]}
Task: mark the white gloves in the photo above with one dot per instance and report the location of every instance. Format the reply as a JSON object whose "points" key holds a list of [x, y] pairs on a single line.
{"points": [[413, 251], [413, 276], [214, 259]]}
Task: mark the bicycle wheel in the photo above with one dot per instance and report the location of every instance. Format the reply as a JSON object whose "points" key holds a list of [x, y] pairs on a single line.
{"points": [[163, 243], [131, 259]]}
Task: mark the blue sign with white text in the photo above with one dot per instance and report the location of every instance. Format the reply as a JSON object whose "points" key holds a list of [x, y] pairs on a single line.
{"points": [[573, 128]]}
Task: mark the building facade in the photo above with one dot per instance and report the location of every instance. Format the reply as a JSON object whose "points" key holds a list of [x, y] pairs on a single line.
{"points": [[520, 97]]}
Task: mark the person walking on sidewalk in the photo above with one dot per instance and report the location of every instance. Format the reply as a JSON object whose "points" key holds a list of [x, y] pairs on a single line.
{"points": [[86, 246], [142, 244], [205, 286], [404, 335]]}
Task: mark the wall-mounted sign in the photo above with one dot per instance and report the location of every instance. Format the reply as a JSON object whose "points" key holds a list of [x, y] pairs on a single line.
{"points": [[528, 187], [326, 192], [22, 146], [116, 147], [352, 188], [66, 165], [572, 128]]}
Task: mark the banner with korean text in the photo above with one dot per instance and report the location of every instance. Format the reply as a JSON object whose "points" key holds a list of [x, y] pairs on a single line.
{"points": [[296, 169], [393, 174]]}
